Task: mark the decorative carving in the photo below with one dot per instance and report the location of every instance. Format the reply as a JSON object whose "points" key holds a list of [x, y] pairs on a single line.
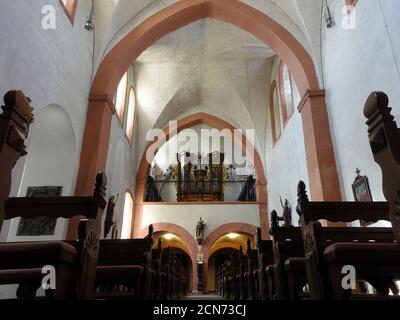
{"points": [[14, 127], [200, 228], [384, 137], [259, 238], [274, 222]]}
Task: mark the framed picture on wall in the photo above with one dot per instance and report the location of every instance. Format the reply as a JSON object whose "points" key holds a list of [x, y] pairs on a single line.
{"points": [[40, 226], [362, 192]]}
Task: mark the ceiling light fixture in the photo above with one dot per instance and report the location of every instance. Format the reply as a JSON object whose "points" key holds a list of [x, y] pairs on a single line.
{"points": [[330, 21], [232, 235], [169, 236]]}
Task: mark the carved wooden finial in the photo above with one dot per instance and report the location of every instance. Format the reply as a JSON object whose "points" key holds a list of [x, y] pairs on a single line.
{"points": [[19, 102], [151, 231], [274, 222], [377, 101], [101, 183], [159, 243], [384, 137], [301, 189], [302, 199], [259, 237]]}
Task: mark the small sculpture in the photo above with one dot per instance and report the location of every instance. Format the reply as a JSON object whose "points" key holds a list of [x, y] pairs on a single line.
{"points": [[109, 221], [287, 213], [201, 225], [248, 194]]}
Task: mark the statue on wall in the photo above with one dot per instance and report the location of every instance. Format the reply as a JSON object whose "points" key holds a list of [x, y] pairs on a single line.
{"points": [[152, 193], [248, 193], [287, 213], [200, 228]]}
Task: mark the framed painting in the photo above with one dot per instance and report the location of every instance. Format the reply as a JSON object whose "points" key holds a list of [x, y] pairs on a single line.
{"points": [[362, 192], [40, 226]]}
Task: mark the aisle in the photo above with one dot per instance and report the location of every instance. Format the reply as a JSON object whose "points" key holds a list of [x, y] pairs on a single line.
{"points": [[199, 296]]}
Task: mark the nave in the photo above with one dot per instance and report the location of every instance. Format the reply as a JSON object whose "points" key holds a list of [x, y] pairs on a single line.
{"points": [[305, 262]]}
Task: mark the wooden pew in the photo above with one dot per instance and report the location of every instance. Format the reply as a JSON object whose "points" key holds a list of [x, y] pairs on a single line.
{"points": [[384, 137], [14, 128], [251, 275], [124, 268], [289, 267], [166, 274], [232, 276], [372, 251], [265, 258], [75, 262], [22, 263], [156, 271]]}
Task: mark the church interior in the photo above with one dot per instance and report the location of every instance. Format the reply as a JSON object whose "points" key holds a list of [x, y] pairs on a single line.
{"points": [[200, 149]]}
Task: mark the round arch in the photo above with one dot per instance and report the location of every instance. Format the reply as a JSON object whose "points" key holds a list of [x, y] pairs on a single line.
{"points": [[238, 227], [186, 237], [216, 123]]}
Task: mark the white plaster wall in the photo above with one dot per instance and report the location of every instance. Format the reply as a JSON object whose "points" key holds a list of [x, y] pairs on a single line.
{"points": [[51, 161], [357, 62], [286, 162], [187, 216], [50, 66], [122, 160]]}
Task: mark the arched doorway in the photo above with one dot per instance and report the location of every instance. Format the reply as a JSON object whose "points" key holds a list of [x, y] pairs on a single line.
{"points": [[177, 237], [215, 263], [323, 177], [228, 236]]}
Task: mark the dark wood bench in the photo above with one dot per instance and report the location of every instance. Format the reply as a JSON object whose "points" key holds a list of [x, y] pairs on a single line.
{"points": [[372, 251], [156, 268], [250, 285], [75, 262], [124, 268], [289, 267], [14, 128], [265, 258], [22, 263]]}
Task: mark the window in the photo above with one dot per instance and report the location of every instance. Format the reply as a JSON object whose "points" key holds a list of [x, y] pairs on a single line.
{"points": [[70, 8], [289, 93], [127, 218], [131, 115], [120, 99], [275, 114]]}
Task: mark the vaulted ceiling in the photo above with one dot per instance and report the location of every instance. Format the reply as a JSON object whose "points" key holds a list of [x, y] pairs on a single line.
{"points": [[207, 66]]}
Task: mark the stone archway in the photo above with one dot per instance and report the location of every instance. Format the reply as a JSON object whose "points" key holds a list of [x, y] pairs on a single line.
{"points": [[242, 228], [186, 237], [323, 177]]}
